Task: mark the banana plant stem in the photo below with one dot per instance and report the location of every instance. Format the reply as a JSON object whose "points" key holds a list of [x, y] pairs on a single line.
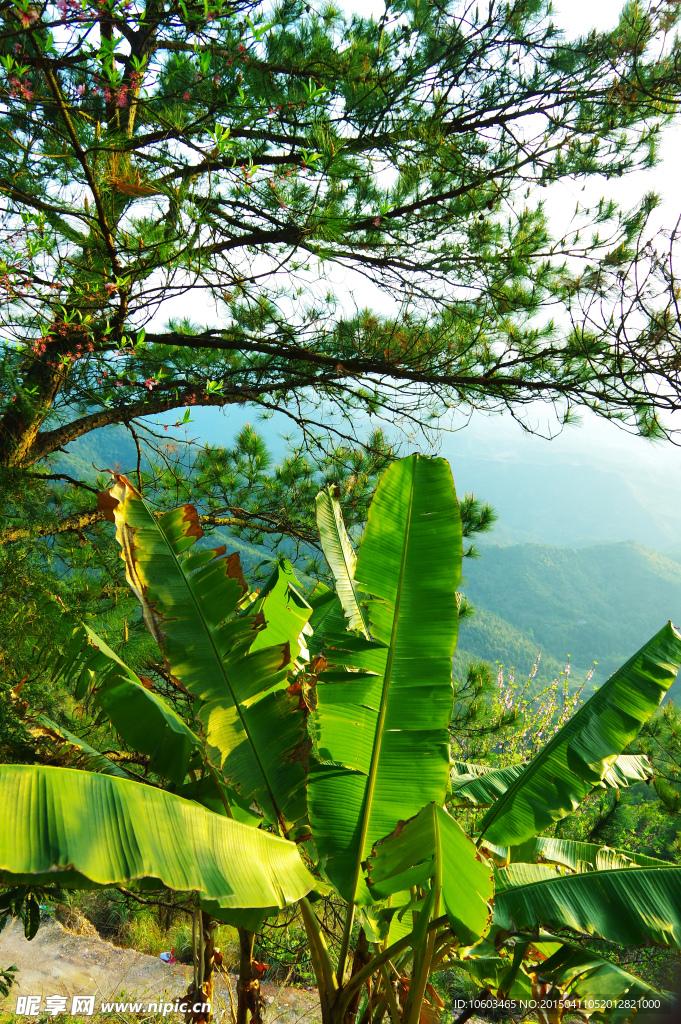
{"points": [[421, 982], [195, 952], [358, 979], [202, 949], [345, 944], [390, 995], [223, 798], [316, 940]]}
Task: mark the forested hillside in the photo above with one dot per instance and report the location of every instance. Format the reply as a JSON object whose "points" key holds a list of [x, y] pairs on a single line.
{"points": [[596, 604]]}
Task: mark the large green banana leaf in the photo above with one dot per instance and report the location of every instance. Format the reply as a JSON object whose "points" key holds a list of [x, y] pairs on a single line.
{"points": [[632, 907], [578, 757], [327, 612], [254, 729], [476, 785], [340, 555], [141, 718], [432, 851], [382, 731], [71, 828], [568, 853]]}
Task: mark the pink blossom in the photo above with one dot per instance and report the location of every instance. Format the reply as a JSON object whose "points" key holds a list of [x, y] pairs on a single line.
{"points": [[80, 90], [149, 383], [186, 96], [122, 96], [377, 221], [110, 287], [28, 17]]}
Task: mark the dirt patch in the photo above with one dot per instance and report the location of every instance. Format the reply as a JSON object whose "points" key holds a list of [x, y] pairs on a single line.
{"points": [[58, 962]]}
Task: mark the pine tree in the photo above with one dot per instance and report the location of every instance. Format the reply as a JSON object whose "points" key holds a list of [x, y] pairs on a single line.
{"points": [[237, 160]]}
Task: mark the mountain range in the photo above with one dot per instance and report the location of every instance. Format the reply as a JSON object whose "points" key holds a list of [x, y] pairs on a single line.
{"points": [[571, 568]]}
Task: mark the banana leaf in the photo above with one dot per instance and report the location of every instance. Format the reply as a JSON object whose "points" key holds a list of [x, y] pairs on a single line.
{"points": [[141, 718], [576, 856], [581, 753], [382, 731], [327, 611], [633, 907], [579, 975], [211, 793], [482, 787], [340, 555], [286, 613], [432, 851], [75, 829], [476, 785], [627, 769], [584, 978], [254, 729], [76, 751]]}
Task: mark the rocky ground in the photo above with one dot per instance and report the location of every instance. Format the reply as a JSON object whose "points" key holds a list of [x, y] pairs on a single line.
{"points": [[60, 962]]}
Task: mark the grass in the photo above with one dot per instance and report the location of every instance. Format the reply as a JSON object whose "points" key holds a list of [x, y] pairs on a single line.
{"points": [[130, 926]]}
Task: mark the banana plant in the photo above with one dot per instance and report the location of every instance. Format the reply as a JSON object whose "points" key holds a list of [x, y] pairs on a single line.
{"points": [[551, 892], [324, 720], [215, 778], [544, 895]]}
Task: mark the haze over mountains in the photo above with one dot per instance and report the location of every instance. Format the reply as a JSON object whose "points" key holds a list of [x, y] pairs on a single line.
{"points": [[583, 560]]}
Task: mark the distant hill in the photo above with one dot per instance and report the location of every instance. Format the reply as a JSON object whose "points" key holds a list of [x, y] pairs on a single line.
{"points": [[105, 449], [598, 603], [489, 637]]}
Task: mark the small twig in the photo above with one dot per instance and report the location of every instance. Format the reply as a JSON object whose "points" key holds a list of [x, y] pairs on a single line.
{"points": [[139, 454], [62, 476]]}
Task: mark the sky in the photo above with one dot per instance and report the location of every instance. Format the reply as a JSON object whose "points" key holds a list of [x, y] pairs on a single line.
{"points": [[594, 483]]}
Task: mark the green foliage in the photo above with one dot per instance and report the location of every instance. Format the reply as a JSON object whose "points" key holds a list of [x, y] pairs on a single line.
{"points": [[577, 757], [188, 143], [376, 704], [120, 847], [7, 979], [597, 603], [661, 741]]}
